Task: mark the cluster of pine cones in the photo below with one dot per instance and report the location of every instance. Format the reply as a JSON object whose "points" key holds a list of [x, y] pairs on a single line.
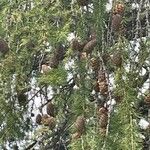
{"points": [[83, 48], [47, 119]]}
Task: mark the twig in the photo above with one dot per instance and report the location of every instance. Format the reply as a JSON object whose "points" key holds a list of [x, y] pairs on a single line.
{"points": [[31, 145]]}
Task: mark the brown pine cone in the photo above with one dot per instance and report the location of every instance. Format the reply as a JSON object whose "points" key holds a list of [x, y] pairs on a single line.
{"points": [[96, 87], [82, 2], [116, 22], [44, 118], [22, 98], [76, 135], [48, 121], [118, 97], [50, 109], [147, 98], [95, 64], [54, 62], [117, 59], [51, 123], [60, 52], [106, 58], [77, 46], [45, 69], [101, 111], [101, 76], [82, 55], [103, 131], [3, 47], [103, 120], [38, 119], [119, 9], [88, 48], [103, 86], [80, 124]]}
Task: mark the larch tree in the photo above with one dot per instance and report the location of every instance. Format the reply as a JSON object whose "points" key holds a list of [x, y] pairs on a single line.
{"points": [[74, 74]]}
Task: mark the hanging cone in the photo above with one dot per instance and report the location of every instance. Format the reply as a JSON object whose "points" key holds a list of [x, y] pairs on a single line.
{"points": [[118, 97], [82, 55], [117, 59], [147, 98], [50, 109], [77, 46], [45, 69], [82, 2], [103, 131], [96, 87], [38, 119], [101, 76], [3, 47], [48, 121], [116, 22], [103, 120], [44, 118], [119, 9], [60, 52], [106, 58], [88, 48], [102, 114], [80, 124], [101, 111], [22, 98], [51, 123], [103, 86], [54, 62], [95, 64], [76, 136]]}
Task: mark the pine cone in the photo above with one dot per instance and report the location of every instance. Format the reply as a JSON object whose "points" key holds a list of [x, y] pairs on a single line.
{"points": [[147, 98], [119, 9], [88, 48], [45, 68], [51, 123], [103, 86], [38, 119], [103, 131], [54, 62], [22, 98], [82, 55], [44, 119], [48, 121], [3, 47], [102, 114], [95, 64], [106, 58], [60, 52], [76, 136], [116, 22], [96, 87], [101, 76], [101, 111], [77, 46], [118, 97], [50, 109], [80, 124], [103, 120], [117, 59], [82, 2]]}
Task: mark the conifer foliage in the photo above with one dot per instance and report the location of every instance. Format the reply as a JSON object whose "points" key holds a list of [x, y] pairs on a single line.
{"points": [[75, 74]]}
